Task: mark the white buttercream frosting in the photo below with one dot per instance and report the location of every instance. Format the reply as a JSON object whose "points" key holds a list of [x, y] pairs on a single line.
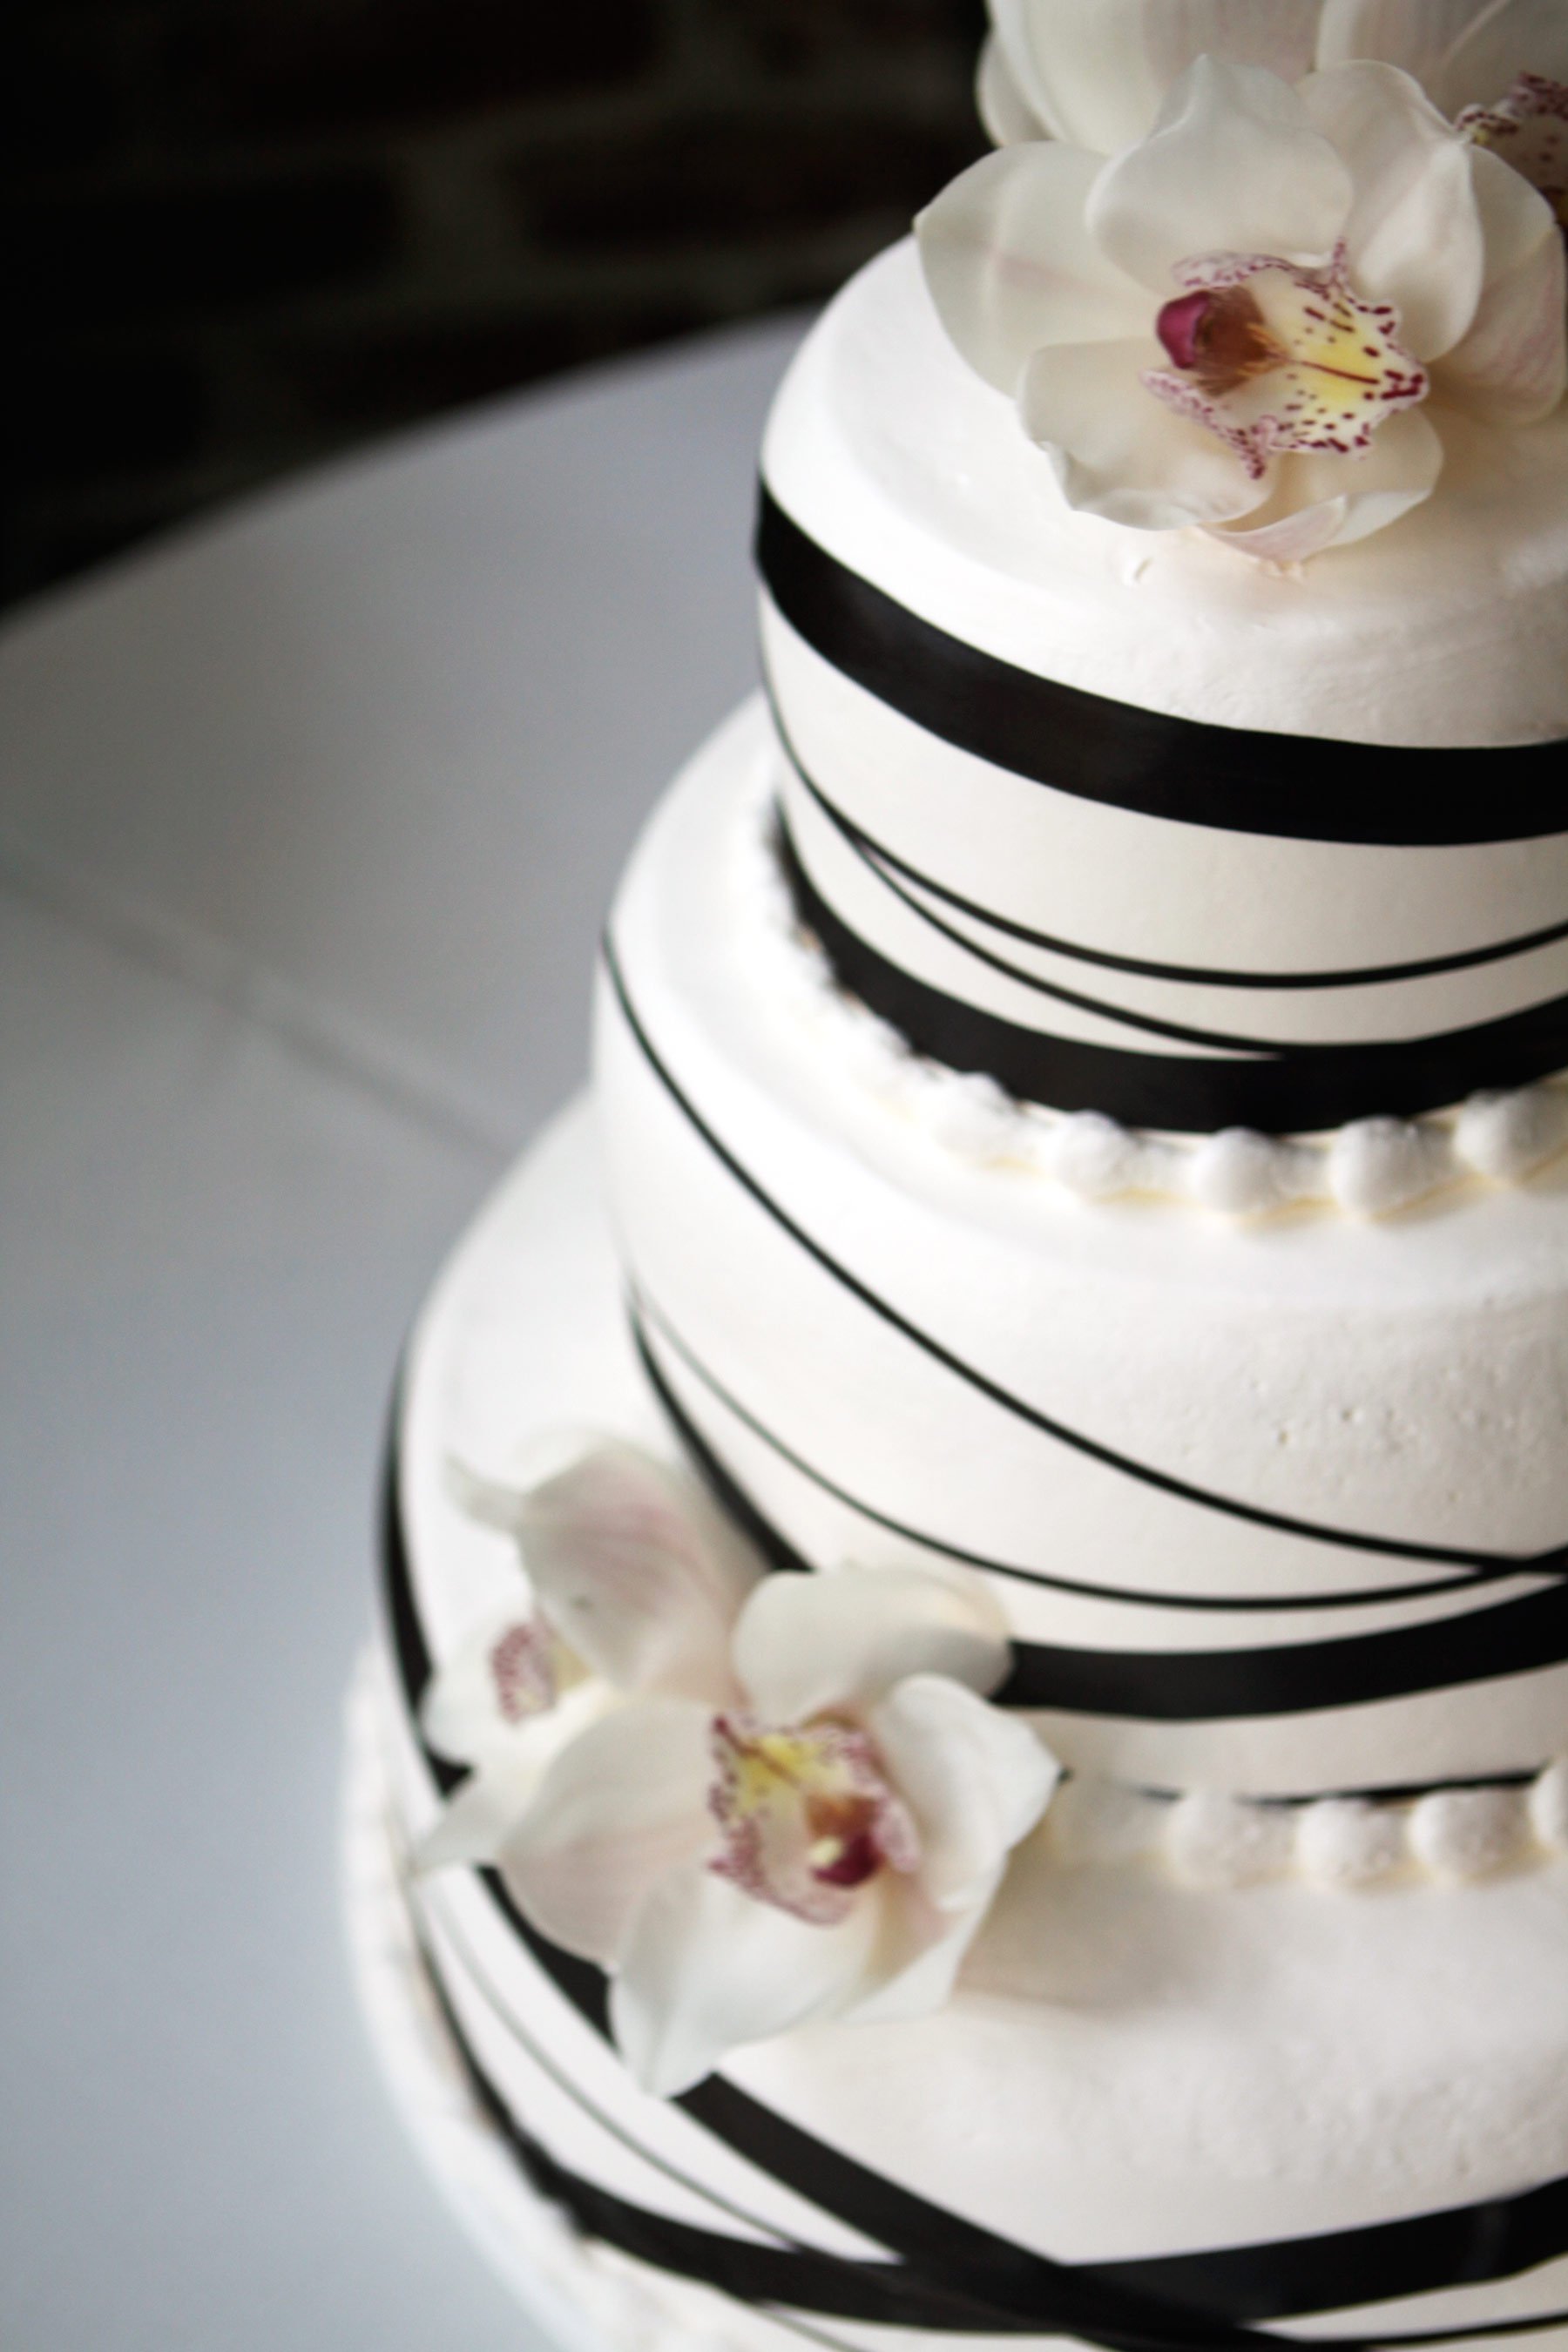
{"points": [[1403, 1379], [1148, 2053], [1447, 629]]}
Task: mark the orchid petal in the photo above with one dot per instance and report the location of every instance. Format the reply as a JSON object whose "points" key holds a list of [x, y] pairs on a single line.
{"points": [[1122, 453], [920, 1952], [1512, 367], [1233, 164], [706, 1969], [476, 1821], [808, 1644], [1414, 235], [469, 1708], [474, 1825], [1463, 52], [1096, 74], [1016, 28], [1317, 502], [637, 1570], [1001, 104], [975, 1780], [1521, 37], [1010, 264], [617, 1809], [1419, 34]]}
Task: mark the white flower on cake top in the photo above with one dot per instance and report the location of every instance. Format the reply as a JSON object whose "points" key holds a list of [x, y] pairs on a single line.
{"points": [[1258, 318], [757, 1800], [1096, 72]]}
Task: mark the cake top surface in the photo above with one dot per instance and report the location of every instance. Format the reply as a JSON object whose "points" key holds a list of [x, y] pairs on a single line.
{"points": [[1450, 628]]}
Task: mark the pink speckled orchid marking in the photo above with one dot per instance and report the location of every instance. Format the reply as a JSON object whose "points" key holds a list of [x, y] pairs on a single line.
{"points": [[1529, 130], [806, 1814], [1274, 358], [523, 1666]]}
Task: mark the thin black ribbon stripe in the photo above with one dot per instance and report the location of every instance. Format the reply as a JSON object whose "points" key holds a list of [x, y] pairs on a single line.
{"points": [[1302, 788], [1214, 1685], [1179, 1032], [956, 2274], [1282, 1090], [876, 854], [643, 1311], [1553, 1562]]}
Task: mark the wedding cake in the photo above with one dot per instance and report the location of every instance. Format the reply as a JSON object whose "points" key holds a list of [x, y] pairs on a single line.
{"points": [[972, 1737]]}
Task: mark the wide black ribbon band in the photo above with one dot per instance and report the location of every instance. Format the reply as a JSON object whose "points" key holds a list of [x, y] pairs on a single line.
{"points": [[1294, 787], [951, 2275], [1276, 1089]]}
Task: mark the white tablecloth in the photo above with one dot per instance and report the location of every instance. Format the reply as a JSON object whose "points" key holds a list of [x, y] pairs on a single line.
{"points": [[307, 824]]}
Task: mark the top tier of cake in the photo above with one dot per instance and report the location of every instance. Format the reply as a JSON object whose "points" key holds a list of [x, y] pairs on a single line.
{"points": [[1131, 821]]}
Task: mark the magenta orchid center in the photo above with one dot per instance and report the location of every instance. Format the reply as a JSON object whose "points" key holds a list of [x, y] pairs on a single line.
{"points": [[1529, 130], [1275, 359], [805, 1815]]}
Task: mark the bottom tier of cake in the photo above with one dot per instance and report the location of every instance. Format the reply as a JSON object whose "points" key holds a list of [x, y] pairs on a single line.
{"points": [[1161, 2111]]}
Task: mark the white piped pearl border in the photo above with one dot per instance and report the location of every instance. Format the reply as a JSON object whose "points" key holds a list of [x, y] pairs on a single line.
{"points": [[1369, 1168], [1452, 1836]]}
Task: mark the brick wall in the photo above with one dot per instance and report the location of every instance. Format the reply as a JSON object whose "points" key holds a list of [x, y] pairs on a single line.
{"points": [[252, 232]]}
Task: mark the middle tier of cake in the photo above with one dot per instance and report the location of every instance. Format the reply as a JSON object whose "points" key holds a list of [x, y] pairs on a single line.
{"points": [[1274, 1507]]}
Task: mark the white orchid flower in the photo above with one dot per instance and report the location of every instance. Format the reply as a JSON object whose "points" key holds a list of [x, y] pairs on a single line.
{"points": [[1256, 319], [632, 1581], [1096, 72], [818, 1835], [754, 1799]]}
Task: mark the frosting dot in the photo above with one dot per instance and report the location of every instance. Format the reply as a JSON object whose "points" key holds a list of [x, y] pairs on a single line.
{"points": [[1467, 1832], [1548, 1805], [1221, 1841], [971, 1115], [1379, 1164], [1504, 1136], [874, 1050], [1237, 1171], [1346, 1842], [1092, 1156]]}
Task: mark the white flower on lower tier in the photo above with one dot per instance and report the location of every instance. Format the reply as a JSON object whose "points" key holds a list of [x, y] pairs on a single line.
{"points": [[633, 1580], [1095, 72], [806, 1820], [1258, 318]]}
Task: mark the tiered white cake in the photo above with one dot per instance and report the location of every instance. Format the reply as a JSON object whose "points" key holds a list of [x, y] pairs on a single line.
{"points": [[1073, 1202]]}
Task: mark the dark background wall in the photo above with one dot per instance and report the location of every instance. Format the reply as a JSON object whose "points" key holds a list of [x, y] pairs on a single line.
{"points": [[250, 233]]}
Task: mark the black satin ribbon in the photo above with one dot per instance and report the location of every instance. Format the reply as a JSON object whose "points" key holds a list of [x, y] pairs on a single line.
{"points": [[1553, 1562], [885, 862], [1292, 787], [1275, 1089], [1206, 1685], [953, 2275], [642, 1310]]}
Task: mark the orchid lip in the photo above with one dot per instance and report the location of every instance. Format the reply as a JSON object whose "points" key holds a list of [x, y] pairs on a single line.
{"points": [[522, 1671], [805, 1816], [1274, 358]]}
